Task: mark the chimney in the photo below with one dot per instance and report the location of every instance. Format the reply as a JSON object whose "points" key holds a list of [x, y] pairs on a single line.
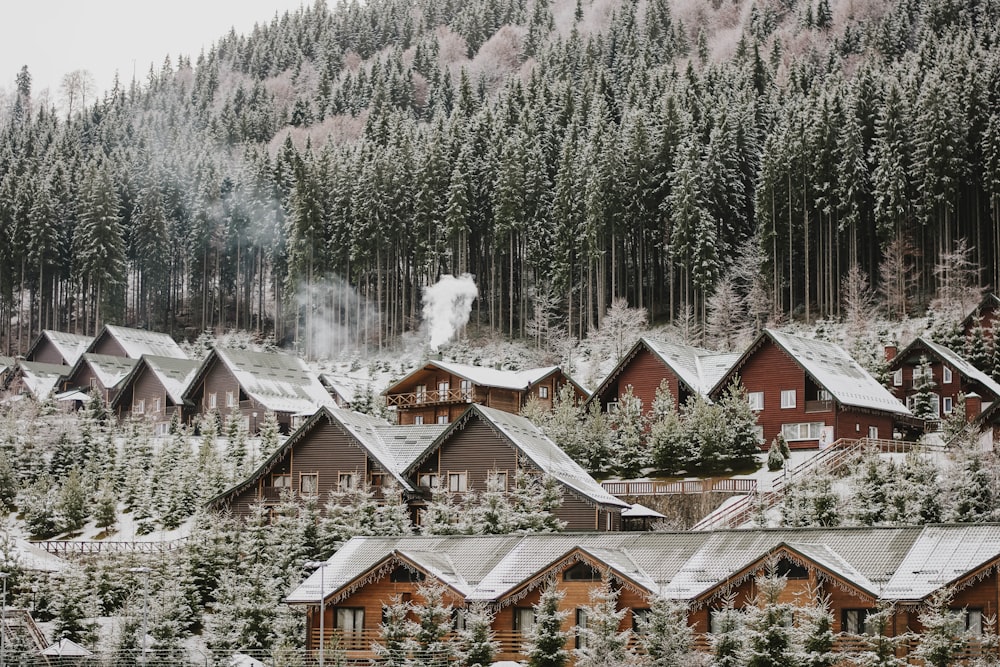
{"points": [[973, 406], [890, 352]]}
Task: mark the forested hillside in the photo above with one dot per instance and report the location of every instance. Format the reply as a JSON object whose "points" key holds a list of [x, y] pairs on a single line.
{"points": [[731, 159]]}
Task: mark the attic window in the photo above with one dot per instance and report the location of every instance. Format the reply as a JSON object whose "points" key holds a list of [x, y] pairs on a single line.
{"points": [[790, 570], [945, 375], [402, 575], [581, 572]]}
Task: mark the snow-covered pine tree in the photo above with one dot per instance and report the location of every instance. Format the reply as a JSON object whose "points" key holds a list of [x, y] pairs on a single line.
{"points": [[396, 641], [914, 495], [492, 513], [546, 640], [601, 644], [270, 437], [881, 648], [976, 348], [944, 636], [971, 489], [431, 627], [769, 641], [443, 515], [814, 636], [477, 646], [925, 401], [871, 481], [664, 634], [628, 426], [236, 445], [671, 450], [75, 606], [392, 517], [728, 635]]}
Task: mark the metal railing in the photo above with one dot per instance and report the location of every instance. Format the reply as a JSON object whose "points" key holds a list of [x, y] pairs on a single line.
{"points": [[634, 487], [67, 548]]}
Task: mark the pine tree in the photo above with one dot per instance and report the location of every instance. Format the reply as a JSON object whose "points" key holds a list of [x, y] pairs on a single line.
{"points": [[728, 635], [432, 647], [871, 482], [477, 645], [601, 643], [815, 637], [925, 401], [944, 637], [546, 639], [628, 425], [769, 641], [664, 634], [396, 642], [443, 515]]}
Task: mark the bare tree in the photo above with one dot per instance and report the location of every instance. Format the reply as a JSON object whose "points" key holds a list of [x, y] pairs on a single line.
{"points": [[857, 300], [76, 86], [897, 276], [957, 276]]}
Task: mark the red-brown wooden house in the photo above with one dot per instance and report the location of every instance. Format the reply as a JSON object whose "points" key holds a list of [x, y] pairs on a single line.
{"points": [[96, 372], [439, 391], [854, 569], [985, 314], [952, 376], [813, 393], [688, 371]]}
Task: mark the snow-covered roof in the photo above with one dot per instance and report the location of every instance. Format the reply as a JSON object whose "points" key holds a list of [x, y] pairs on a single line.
{"points": [[637, 511], [279, 382], [66, 648], [137, 342], [949, 356], [486, 377], [40, 378], [698, 368], [344, 387], [896, 563], [832, 369], [70, 346], [108, 370], [540, 450], [7, 364]]}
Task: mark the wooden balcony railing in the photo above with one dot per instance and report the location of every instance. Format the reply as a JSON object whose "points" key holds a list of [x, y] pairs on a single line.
{"points": [[430, 397], [819, 406], [642, 487]]}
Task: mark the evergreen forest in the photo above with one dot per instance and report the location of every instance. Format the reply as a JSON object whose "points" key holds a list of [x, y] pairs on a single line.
{"points": [[755, 160]]}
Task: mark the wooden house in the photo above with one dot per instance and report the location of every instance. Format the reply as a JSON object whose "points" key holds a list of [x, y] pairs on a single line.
{"points": [[154, 390], [8, 365], [337, 449], [96, 372], [984, 315], [812, 392], [952, 375], [854, 569], [115, 341], [254, 383], [687, 370], [57, 347], [344, 390], [36, 379], [438, 392]]}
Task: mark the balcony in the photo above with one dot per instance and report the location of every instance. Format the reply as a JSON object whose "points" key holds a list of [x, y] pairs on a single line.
{"points": [[819, 406], [430, 397]]}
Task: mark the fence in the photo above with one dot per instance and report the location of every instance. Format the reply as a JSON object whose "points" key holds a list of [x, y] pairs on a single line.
{"points": [[638, 487]]}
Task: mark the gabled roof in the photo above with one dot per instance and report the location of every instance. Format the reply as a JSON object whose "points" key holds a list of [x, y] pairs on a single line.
{"points": [[990, 302], [392, 447], [279, 382], [41, 378], [137, 342], [697, 368], [950, 357], [107, 369], [830, 367], [7, 363], [485, 377], [70, 346], [532, 444], [895, 563], [172, 373]]}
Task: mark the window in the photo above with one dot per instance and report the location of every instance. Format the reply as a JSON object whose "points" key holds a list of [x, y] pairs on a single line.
{"points": [[467, 390], [802, 431], [309, 483], [458, 482], [790, 570], [581, 572], [281, 481], [499, 479], [459, 618], [156, 404], [581, 626], [140, 406], [345, 481], [824, 395], [442, 419], [759, 432], [378, 481], [349, 619], [443, 387], [524, 619], [974, 622], [402, 575], [873, 432], [945, 375], [543, 392], [947, 405], [418, 419], [639, 619], [897, 378], [162, 429], [428, 480], [854, 621], [421, 393], [756, 400], [787, 398], [213, 401], [230, 399]]}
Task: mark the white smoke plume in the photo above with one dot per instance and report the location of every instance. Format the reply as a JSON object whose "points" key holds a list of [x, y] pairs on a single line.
{"points": [[447, 305]]}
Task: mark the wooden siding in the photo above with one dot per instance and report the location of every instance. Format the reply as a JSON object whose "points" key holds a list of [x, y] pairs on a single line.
{"points": [[107, 344], [645, 372], [770, 370], [145, 386], [47, 352], [220, 380], [326, 451], [85, 379], [959, 383]]}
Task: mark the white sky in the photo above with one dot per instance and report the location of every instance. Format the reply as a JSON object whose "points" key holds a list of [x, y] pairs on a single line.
{"points": [[54, 37]]}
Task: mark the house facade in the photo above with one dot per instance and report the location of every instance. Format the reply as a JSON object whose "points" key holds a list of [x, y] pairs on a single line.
{"points": [[813, 393], [98, 372], [854, 569], [254, 383], [336, 450], [687, 371], [438, 392], [950, 373], [58, 348], [154, 390], [115, 341]]}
